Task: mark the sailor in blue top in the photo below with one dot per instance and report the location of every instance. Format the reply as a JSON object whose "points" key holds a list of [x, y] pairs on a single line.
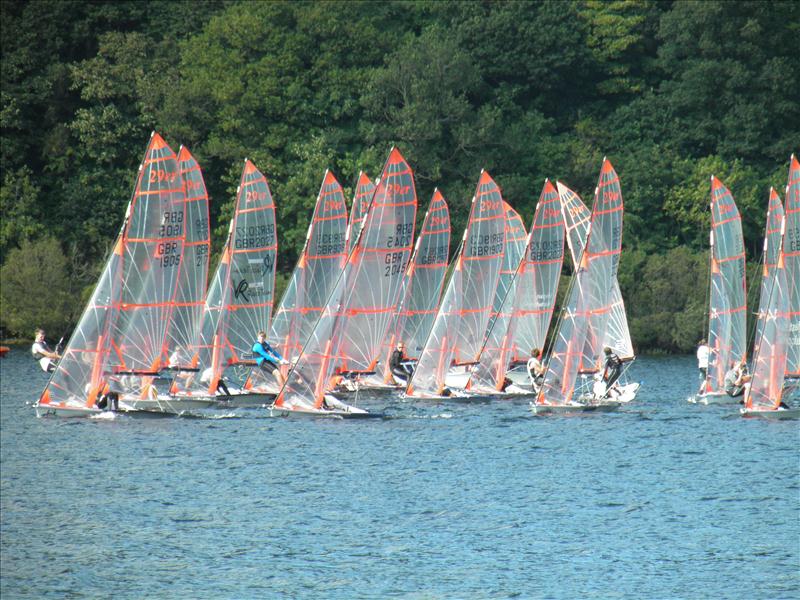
{"points": [[268, 358]]}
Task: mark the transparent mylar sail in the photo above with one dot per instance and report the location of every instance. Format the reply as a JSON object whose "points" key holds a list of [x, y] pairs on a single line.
{"points": [[422, 285], [355, 322], [319, 266], [458, 331], [727, 307]]}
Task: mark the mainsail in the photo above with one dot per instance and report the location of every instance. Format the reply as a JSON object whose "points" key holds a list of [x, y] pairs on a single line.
{"points": [[319, 266], [585, 315], [791, 249], [359, 311], [239, 300], [521, 324], [727, 307], [422, 284], [361, 203], [516, 236], [458, 330], [617, 335], [136, 288], [184, 324], [152, 250], [766, 389], [772, 247]]}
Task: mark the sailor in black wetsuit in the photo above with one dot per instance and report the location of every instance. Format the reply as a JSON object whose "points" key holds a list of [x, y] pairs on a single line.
{"points": [[613, 368], [398, 363]]}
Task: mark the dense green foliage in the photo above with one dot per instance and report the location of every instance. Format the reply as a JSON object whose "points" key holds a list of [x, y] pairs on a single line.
{"points": [[671, 91]]}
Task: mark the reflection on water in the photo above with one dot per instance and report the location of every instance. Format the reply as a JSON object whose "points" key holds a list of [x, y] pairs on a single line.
{"points": [[661, 499]]}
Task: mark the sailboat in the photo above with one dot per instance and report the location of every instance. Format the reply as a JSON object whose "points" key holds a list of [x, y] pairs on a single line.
{"points": [[728, 304], [422, 287], [120, 341], [524, 318], [582, 327], [457, 335], [321, 261], [347, 338], [616, 334], [764, 396], [773, 232], [239, 300]]}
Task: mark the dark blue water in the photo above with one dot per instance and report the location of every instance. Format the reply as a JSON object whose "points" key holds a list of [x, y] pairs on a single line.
{"points": [[660, 500]]}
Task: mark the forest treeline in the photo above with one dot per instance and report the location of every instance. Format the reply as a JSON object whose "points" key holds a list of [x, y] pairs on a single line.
{"points": [[671, 92]]}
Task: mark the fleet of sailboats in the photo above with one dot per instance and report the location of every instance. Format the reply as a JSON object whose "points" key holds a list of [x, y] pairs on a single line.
{"points": [[152, 339]]}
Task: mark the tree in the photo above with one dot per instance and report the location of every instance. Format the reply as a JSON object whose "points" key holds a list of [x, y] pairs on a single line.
{"points": [[37, 290]]}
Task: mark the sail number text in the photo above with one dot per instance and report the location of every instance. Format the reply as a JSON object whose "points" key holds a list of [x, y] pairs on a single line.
{"points": [[171, 224], [546, 250], [401, 237], [434, 255], [255, 236], [487, 245], [394, 264], [168, 254], [330, 243]]}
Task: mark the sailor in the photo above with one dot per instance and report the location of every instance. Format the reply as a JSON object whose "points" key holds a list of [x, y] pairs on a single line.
{"points": [[737, 379], [613, 367], [41, 352], [702, 358], [399, 363], [207, 375], [535, 367], [268, 358]]}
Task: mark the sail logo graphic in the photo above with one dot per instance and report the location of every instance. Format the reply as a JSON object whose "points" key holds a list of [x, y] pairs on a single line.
{"points": [[725, 208], [610, 196], [489, 205], [395, 189], [551, 213], [333, 205], [439, 221], [255, 196], [161, 175]]}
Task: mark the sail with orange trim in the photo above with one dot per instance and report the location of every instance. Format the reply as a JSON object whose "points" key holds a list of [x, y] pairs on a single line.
{"points": [[791, 249], [766, 388], [184, 324], [136, 286], [422, 285], [458, 331], [727, 305], [617, 334], [239, 300], [319, 266], [516, 237], [772, 246], [361, 202], [523, 321], [79, 377], [350, 332], [152, 251], [586, 311]]}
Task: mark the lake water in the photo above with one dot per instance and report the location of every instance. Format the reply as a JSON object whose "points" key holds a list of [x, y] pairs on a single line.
{"points": [[660, 500]]}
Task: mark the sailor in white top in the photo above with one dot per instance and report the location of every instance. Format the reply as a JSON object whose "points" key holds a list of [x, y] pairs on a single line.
{"points": [[41, 352]]}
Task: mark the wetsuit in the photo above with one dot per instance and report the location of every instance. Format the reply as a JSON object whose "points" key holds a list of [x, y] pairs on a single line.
{"points": [[613, 370], [267, 357]]}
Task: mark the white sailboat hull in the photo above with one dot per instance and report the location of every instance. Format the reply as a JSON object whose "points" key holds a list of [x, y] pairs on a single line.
{"points": [[779, 414], [66, 410], [544, 409], [165, 404], [334, 408], [715, 398]]}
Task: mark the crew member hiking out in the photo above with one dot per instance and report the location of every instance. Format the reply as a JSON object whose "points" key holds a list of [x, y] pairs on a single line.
{"points": [[268, 358], [613, 368], [399, 364], [42, 353]]}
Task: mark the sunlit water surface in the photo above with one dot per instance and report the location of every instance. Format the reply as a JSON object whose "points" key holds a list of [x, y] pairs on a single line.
{"points": [[660, 500]]}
